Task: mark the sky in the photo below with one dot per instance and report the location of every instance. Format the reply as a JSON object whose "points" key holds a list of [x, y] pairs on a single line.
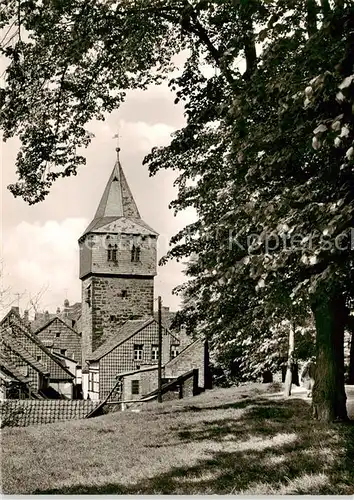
{"points": [[39, 249]]}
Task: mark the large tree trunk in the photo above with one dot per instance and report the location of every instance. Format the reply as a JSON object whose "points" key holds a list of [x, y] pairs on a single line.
{"points": [[328, 395], [290, 365], [295, 371], [326, 9]]}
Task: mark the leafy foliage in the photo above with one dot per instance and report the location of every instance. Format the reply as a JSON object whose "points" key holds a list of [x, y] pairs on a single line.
{"points": [[266, 156], [275, 206]]}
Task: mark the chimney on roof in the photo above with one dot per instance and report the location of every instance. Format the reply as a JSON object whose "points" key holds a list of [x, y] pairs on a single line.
{"points": [[58, 310], [46, 316], [26, 317], [66, 307]]}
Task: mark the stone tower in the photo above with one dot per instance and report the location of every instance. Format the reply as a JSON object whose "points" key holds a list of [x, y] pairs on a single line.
{"points": [[117, 265]]}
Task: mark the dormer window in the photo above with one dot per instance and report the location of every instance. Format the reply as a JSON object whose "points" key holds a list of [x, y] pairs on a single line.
{"points": [[112, 253], [135, 255]]}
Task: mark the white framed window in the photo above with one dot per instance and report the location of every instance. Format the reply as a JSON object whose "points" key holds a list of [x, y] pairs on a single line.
{"points": [[93, 385], [135, 387], [138, 352], [174, 351], [154, 352], [95, 382]]}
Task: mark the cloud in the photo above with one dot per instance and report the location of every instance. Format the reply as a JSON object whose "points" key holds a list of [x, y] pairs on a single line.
{"points": [[146, 136], [44, 257], [40, 241], [142, 135], [38, 256]]}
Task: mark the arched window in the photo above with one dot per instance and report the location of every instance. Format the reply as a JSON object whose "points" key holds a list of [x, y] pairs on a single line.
{"points": [[112, 253], [135, 254]]}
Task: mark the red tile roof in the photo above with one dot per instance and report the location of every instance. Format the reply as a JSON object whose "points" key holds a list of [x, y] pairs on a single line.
{"points": [[34, 412], [12, 370], [10, 341], [127, 330], [22, 334]]}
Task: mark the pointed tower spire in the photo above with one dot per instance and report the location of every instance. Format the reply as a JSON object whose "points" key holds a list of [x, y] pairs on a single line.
{"points": [[117, 199], [117, 203]]}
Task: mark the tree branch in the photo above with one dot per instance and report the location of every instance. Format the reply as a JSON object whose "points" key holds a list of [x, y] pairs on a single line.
{"points": [[311, 18], [326, 9]]}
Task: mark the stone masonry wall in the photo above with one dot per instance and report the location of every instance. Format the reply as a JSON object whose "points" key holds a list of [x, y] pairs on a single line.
{"points": [[86, 321], [110, 309], [94, 253], [192, 357]]}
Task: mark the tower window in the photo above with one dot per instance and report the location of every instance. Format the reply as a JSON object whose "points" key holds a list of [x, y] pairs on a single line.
{"points": [[135, 254], [138, 352], [63, 352], [124, 294], [112, 253], [154, 352], [57, 334]]}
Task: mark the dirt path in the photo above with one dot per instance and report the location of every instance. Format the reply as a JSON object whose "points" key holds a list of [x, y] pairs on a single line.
{"points": [[300, 392]]}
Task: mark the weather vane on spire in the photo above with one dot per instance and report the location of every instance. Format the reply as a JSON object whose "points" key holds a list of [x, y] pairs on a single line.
{"points": [[116, 136]]}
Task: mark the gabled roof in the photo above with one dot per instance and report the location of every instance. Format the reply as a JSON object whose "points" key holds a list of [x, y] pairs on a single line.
{"points": [[130, 328], [19, 349], [8, 367], [72, 312], [178, 358], [118, 206], [52, 321], [57, 369]]}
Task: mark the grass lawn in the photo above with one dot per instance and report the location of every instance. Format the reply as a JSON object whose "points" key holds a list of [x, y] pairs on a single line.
{"points": [[241, 440]]}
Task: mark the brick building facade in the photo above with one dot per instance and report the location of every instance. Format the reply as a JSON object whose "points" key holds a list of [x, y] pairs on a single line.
{"points": [[114, 330], [133, 347]]}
